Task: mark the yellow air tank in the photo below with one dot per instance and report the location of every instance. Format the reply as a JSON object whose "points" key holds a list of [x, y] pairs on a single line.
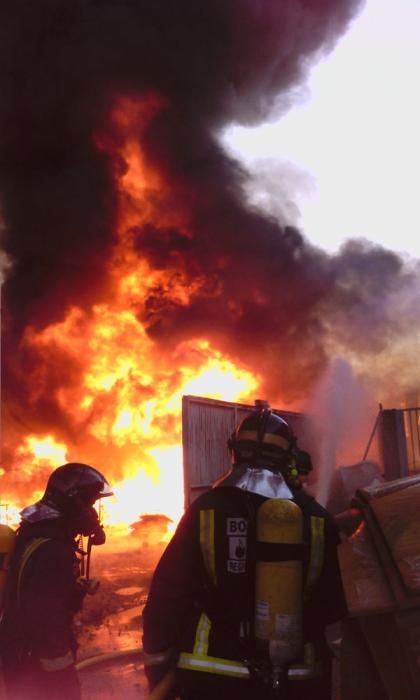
{"points": [[7, 542], [278, 604]]}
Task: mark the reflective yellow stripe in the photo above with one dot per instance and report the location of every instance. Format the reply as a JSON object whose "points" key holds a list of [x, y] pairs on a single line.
{"points": [[29, 550], [317, 551], [58, 663], [201, 643], [207, 542], [212, 664], [237, 669], [200, 661], [268, 439]]}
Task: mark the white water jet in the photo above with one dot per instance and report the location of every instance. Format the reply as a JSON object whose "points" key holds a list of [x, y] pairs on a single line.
{"points": [[341, 413]]}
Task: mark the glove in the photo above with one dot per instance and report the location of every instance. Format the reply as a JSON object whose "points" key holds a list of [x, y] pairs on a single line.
{"points": [[57, 663], [88, 524], [82, 588], [98, 535], [157, 665]]}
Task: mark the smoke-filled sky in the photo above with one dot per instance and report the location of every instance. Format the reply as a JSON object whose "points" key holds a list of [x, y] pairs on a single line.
{"points": [[352, 137], [80, 83]]}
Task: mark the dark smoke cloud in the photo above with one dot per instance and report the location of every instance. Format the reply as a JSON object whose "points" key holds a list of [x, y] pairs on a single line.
{"points": [[265, 295]]}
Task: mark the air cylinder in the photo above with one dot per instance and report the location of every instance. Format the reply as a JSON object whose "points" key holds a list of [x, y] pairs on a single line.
{"points": [[278, 603]]}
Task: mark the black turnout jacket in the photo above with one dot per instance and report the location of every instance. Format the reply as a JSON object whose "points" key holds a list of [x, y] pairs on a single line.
{"points": [[200, 608]]}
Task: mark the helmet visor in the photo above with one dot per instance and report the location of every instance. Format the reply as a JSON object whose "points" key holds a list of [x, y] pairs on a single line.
{"points": [[106, 490]]}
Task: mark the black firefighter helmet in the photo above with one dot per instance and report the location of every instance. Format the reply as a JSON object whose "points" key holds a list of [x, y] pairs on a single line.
{"points": [[263, 439], [72, 490]]}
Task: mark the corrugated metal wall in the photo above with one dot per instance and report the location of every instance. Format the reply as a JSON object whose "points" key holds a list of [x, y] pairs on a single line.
{"points": [[206, 427], [399, 439]]}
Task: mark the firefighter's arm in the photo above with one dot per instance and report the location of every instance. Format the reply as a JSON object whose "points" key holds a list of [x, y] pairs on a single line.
{"points": [[171, 600]]}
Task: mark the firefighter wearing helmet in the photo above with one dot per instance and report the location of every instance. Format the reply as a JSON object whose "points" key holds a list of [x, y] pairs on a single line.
{"points": [[45, 587], [241, 597]]}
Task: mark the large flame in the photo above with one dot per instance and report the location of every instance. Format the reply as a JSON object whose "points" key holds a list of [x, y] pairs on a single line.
{"points": [[127, 404], [121, 394]]}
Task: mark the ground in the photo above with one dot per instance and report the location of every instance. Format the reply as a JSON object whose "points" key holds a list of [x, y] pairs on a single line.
{"points": [[111, 623]]}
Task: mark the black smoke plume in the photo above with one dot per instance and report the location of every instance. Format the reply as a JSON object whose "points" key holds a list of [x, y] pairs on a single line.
{"points": [[267, 296]]}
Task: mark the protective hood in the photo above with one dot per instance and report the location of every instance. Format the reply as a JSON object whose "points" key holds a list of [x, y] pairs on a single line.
{"points": [[39, 511], [260, 481]]}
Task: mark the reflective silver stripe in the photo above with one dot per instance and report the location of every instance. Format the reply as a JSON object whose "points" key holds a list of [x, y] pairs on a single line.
{"points": [[211, 664], [207, 542], [309, 668], [260, 481], [304, 672], [159, 657], [225, 667], [201, 644], [317, 551], [58, 663]]}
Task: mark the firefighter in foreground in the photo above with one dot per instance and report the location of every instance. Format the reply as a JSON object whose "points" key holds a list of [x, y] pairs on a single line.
{"points": [[241, 597], [45, 589]]}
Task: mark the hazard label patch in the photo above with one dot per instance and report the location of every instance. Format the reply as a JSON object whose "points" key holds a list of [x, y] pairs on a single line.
{"points": [[237, 548], [237, 545], [237, 526], [236, 567]]}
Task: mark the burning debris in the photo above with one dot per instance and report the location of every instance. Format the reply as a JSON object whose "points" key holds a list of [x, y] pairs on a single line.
{"points": [[138, 273], [151, 529]]}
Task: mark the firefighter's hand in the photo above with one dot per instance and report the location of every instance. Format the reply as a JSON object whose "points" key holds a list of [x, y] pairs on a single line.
{"points": [[166, 688], [154, 675], [87, 586], [83, 587], [98, 536], [91, 526], [80, 590], [156, 666]]}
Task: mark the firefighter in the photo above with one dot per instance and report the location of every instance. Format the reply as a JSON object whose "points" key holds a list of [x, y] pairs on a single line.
{"points": [[44, 588], [239, 607]]}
